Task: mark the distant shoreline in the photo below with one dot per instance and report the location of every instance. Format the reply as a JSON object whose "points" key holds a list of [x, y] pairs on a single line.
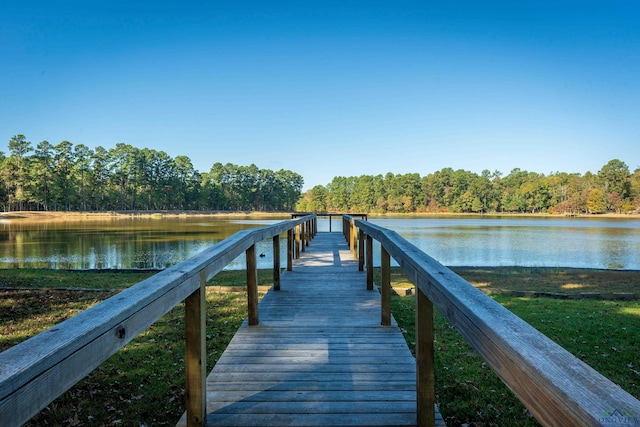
{"points": [[110, 215]]}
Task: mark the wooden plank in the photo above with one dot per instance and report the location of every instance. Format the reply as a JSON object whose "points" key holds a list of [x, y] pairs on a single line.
{"points": [[319, 355], [312, 407]]}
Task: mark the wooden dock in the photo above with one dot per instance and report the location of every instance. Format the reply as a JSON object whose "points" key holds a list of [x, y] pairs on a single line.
{"points": [[319, 356]]}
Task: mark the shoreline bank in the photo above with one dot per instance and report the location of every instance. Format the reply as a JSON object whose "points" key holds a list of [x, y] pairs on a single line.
{"points": [[59, 215]]}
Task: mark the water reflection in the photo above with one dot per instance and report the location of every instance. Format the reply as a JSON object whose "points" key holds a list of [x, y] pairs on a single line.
{"points": [[145, 243], [124, 243], [514, 241]]}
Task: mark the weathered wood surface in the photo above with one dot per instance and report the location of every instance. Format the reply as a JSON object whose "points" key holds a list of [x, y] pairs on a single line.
{"points": [[319, 356], [557, 388]]}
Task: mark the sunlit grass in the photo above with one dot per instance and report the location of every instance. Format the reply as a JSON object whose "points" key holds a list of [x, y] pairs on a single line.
{"points": [[31, 278], [633, 310], [602, 333], [570, 281]]}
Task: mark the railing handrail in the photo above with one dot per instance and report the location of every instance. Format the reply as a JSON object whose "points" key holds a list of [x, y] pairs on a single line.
{"points": [[33, 373], [557, 387]]}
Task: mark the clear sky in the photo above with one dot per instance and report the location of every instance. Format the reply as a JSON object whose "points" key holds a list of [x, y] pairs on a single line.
{"points": [[328, 88]]}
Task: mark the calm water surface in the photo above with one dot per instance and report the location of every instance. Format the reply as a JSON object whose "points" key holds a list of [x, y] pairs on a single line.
{"points": [[119, 243], [518, 241], [147, 243]]}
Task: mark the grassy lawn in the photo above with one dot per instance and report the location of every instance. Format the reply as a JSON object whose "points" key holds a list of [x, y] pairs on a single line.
{"points": [[143, 384]]}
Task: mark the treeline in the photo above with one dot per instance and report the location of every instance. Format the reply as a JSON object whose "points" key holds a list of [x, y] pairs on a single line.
{"points": [[67, 177], [612, 189]]}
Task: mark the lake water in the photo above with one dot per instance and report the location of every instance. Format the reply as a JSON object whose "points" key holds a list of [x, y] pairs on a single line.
{"points": [[147, 243], [522, 241]]}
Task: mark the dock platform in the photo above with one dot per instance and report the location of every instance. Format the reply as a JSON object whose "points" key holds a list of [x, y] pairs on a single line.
{"points": [[319, 356]]}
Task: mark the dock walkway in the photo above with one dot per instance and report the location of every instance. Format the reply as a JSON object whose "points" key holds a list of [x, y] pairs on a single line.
{"points": [[319, 356]]}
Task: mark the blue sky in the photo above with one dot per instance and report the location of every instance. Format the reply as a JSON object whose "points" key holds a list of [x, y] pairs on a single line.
{"points": [[328, 88]]}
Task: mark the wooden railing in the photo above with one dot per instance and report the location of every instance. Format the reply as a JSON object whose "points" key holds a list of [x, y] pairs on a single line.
{"points": [[330, 216], [36, 371], [556, 387]]}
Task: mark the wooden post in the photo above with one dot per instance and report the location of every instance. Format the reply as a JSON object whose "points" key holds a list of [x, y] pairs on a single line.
{"points": [[298, 241], [290, 249], [252, 285], [425, 378], [276, 262], [385, 285], [196, 355], [345, 229], [369, 263], [354, 240], [329, 223], [361, 251], [303, 236], [309, 233]]}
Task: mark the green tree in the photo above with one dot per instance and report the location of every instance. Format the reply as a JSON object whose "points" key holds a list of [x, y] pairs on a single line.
{"points": [[81, 171], [596, 201], [318, 199], [634, 189], [291, 183], [42, 172], [340, 189], [481, 188], [99, 178], [63, 195], [187, 179], [615, 178], [363, 197], [19, 147]]}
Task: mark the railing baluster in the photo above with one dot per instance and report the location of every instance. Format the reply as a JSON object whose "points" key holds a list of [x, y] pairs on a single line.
{"points": [[290, 244], [360, 250], [385, 287], [369, 262], [298, 241], [425, 378], [276, 262], [354, 238], [252, 285], [196, 355]]}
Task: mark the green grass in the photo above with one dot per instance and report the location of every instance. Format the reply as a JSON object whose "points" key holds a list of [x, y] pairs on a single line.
{"points": [[604, 334], [143, 384], [31, 278]]}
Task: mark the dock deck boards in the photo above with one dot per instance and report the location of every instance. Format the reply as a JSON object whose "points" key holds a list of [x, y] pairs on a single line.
{"points": [[319, 356]]}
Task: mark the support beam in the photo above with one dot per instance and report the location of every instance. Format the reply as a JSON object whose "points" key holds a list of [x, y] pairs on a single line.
{"points": [[369, 262], [385, 287], [196, 355], [252, 285], [360, 250], [425, 377], [290, 243], [276, 262]]}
